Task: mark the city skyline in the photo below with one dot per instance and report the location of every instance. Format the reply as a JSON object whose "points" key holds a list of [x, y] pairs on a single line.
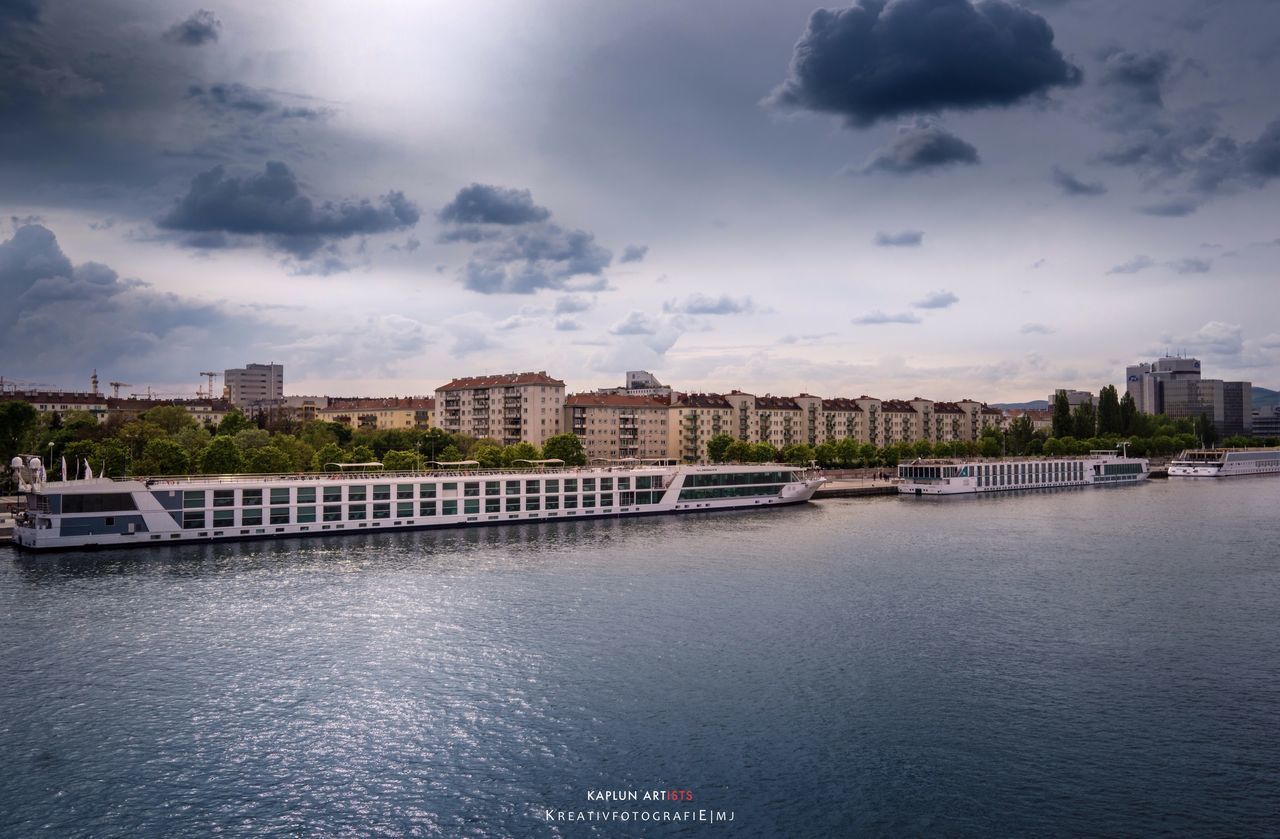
{"points": [[734, 195]]}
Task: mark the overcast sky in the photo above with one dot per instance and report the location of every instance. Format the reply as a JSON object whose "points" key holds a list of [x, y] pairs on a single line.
{"points": [[912, 197]]}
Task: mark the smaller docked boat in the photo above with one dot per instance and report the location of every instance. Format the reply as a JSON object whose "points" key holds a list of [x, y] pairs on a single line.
{"points": [[1225, 463], [958, 477]]}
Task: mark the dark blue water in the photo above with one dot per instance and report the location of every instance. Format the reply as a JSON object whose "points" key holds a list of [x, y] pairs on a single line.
{"points": [[1084, 662]]}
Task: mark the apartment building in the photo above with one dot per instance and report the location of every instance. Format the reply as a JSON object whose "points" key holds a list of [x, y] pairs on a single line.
{"points": [[254, 384], [616, 426], [509, 407], [380, 413], [842, 419], [693, 419]]}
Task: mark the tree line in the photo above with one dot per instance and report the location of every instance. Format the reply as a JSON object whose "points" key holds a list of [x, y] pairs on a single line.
{"points": [[168, 440]]}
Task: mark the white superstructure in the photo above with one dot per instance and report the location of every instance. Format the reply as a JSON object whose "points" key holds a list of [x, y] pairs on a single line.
{"points": [[1225, 463], [136, 511], [955, 477]]}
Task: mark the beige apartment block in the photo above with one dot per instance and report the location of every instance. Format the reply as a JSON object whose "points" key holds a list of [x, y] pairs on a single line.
{"points": [[843, 419], [509, 408], [380, 413], [616, 426], [693, 419]]}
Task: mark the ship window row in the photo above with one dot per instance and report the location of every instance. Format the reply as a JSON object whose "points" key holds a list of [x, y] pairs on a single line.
{"points": [[450, 507], [736, 479], [285, 496], [728, 492], [1014, 474]]}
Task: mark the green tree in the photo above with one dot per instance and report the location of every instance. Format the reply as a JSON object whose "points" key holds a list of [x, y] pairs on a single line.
{"points": [[798, 454], [1053, 447], [566, 447], [221, 457], [922, 449], [251, 438], [1063, 425], [318, 433], [717, 446], [326, 454], [989, 445], [488, 454], [162, 456], [136, 434], [266, 459], [18, 424], [1206, 430], [193, 439], [233, 423], [452, 454], [172, 418], [82, 425], [738, 451], [1109, 421], [1021, 432], [111, 458], [516, 451], [400, 461], [1128, 410], [1084, 421], [868, 454], [360, 454], [827, 454], [763, 453], [76, 452], [299, 453]]}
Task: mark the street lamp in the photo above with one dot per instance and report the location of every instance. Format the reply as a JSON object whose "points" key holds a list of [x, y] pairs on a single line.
{"points": [[49, 468]]}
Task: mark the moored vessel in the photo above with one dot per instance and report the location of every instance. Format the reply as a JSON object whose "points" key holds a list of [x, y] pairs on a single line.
{"points": [[958, 477], [102, 512], [1225, 463]]}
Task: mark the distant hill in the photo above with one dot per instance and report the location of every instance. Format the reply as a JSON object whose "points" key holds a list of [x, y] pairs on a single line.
{"points": [[1036, 405], [1262, 398]]}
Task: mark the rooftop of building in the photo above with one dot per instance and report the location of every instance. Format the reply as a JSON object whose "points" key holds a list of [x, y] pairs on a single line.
{"points": [[700, 400], [615, 400], [840, 404], [502, 380], [369, 403]]}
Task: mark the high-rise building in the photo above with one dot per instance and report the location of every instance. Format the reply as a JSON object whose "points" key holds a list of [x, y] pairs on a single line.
{"points": [[254, 384], [640, 383], [1075, 398], [508, 408], [1173, 386]]}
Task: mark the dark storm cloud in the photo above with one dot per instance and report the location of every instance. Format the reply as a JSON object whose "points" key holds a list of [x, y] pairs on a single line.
{"points": [[701, 304], [878, 60], [202, 27], [14, 12], [273, 205], [905, 239], [1170, 209], [93, 93], [921, 148], [61, 317], [519, 250], [543, 256], [634, 253], [249, 100], [485, 204], [1139, 77], [1072, 185]]}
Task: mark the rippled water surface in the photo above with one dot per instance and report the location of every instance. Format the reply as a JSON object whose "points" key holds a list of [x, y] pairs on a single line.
{"points": [[1084, 662]]}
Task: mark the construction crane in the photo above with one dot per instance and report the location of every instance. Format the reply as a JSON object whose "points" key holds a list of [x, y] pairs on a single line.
{"points": [[115, 388], [211, 376]]}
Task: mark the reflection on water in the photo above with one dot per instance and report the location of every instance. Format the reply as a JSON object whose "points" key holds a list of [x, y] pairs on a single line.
{"points": [[1082, 662]]}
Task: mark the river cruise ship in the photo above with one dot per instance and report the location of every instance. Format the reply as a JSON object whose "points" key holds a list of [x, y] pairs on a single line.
{"points": [[109, 512], [1225, 463], [956, 477]]}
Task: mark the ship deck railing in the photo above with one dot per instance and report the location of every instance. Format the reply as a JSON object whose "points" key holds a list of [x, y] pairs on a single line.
{"points": [[307, 477]]}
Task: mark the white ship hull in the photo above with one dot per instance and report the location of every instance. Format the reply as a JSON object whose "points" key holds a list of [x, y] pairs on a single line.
{"points": [[1225, 463], [936, 478], [110, 513]]}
